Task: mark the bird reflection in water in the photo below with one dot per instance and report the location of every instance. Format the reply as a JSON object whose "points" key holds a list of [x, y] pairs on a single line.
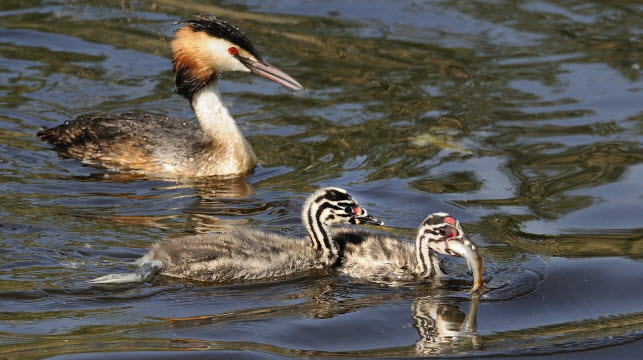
{"points": [[216, 205], [443, 328]]}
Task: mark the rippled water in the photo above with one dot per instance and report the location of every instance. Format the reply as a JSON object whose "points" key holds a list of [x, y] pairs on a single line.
{"points": [[522, 119]]}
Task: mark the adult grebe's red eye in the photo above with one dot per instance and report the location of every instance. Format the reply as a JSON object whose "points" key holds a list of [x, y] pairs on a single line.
{"points": [[233, 50]]}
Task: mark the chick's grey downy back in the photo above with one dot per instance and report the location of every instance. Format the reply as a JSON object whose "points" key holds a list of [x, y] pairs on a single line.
{"points": [[240, 254], [375, 256]]}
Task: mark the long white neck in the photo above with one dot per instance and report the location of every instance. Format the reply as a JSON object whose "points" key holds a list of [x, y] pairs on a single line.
{"points": [[227, 149]]}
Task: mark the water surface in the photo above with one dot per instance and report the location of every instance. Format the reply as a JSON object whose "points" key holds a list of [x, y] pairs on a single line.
{"points": [[523, 120]]}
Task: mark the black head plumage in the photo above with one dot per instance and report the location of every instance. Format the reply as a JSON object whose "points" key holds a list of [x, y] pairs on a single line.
{"points": [[336, 195], [219, 28]]}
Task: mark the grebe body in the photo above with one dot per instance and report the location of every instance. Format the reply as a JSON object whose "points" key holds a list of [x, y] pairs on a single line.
{"points": [[155, 144], [380, 257], [247, 254]]}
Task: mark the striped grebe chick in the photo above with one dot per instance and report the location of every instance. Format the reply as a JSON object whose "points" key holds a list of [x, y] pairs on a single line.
{"points": [[247, 254], [380, 257], [155, 144]]}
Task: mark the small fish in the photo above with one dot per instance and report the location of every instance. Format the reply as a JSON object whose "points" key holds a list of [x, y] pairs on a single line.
{"points": [[467, 250]]}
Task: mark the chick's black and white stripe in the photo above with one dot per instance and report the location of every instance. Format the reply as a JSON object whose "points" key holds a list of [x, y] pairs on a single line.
{"points": [[325, 207], [430, 239]]}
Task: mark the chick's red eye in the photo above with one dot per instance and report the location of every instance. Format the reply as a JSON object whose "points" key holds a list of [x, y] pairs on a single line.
{"points": [[233, 50], [449, 232]]}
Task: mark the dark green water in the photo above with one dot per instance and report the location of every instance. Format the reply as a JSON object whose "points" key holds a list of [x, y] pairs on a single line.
{"points": [[522, 119]]}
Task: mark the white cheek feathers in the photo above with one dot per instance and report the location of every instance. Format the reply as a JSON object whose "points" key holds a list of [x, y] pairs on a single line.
{"points": [[220, 57]]}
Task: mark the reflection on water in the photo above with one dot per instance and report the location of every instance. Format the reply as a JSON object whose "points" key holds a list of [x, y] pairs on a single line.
{"points": [[522, 121], [443, 327]]}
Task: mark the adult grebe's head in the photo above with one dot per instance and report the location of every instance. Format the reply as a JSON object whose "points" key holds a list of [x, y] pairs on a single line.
{"points": [[207, 46]]}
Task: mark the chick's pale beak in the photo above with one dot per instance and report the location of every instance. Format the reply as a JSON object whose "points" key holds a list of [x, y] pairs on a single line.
{"points": [[272, 73]]}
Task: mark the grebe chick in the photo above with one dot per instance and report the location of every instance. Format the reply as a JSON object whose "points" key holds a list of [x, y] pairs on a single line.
{"points": [[155, 144], [244, 254], [380, 257]]}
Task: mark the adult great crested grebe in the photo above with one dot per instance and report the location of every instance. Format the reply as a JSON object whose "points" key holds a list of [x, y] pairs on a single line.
{"points": [[380, 257], [155, 144], [247, 254]]}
